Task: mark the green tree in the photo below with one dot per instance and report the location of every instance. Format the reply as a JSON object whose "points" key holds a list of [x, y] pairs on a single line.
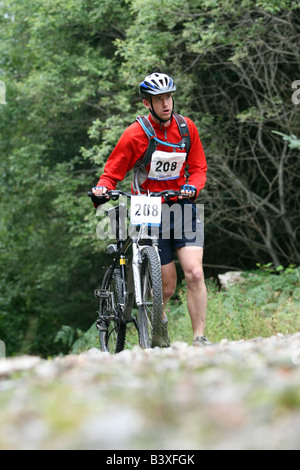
{"points": [[58, 62]]}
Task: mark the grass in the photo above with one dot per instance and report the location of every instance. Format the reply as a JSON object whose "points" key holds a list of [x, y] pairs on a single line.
{"points": [[263, 305]]}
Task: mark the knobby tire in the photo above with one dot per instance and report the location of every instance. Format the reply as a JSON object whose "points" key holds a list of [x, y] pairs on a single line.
{"points": [[112, 332], [150, 312]]}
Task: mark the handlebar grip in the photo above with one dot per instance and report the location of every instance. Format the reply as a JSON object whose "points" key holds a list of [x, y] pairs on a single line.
{"points": [[91, 194], [97, 200]]}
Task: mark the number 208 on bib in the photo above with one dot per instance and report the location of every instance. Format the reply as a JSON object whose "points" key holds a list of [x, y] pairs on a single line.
{"points": [[145, 210]]}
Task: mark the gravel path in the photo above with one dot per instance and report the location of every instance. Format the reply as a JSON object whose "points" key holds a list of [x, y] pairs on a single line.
{"points": [[231, 395]]}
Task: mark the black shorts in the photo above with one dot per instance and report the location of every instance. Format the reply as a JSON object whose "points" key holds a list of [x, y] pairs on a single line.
{"points": [[182, 225]]}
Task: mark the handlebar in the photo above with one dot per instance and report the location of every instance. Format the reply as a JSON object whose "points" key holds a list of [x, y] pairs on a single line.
{"points": [[114, 194]]}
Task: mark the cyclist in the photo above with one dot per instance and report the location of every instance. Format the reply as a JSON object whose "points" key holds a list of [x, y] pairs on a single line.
{"points": [[157, 93]]}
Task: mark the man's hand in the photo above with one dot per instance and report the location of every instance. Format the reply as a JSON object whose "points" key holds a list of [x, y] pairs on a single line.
{"points": [[188, 191], [100, 191]]}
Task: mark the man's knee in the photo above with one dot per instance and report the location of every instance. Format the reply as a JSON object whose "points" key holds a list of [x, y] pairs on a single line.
{"points": [[169, 280], [169, 288], [194, 276]]}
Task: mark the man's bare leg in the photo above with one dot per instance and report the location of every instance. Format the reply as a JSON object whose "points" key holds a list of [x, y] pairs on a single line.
{"points": [[191, 261], [169, 281]]}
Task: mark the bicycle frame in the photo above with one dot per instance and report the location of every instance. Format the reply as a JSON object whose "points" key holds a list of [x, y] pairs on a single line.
{"points": [[131, 282], [122, 246], [120, 261]]}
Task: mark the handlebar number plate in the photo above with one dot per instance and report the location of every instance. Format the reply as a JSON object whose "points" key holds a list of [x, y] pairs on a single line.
{"points": [[145, 210]]}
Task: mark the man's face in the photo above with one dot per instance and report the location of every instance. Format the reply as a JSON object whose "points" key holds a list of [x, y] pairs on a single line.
{"points": [[162, 105]]}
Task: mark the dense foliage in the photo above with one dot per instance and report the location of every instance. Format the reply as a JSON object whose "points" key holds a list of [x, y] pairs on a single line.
{"points": [[71, 70]]}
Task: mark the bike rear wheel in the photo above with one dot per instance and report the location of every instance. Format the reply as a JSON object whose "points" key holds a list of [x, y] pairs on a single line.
{"points": [[112, 330], [150, 312]]}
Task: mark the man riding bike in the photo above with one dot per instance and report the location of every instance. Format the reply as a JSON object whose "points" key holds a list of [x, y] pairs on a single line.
{"points": [[167, 169]]}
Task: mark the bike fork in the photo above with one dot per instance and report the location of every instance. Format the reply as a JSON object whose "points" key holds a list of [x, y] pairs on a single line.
{"points": [[136, 268]]}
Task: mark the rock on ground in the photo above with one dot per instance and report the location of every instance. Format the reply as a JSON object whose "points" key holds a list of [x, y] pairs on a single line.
{"points": [[231, 277], [231, 395]]}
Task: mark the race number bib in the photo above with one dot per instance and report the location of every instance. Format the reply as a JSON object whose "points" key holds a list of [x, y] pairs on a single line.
{"points": [[145, 210], [166, 165]]}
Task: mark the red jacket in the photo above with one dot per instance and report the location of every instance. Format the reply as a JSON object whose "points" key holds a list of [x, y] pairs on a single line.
{"points": [[133, 145]]}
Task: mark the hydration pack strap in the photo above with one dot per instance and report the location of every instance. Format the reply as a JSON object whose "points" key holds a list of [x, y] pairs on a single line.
{"points": [[184, 131], [152, 144]]}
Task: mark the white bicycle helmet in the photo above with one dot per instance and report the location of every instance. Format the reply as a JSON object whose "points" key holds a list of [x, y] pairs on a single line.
{"points": [[157, 84]]}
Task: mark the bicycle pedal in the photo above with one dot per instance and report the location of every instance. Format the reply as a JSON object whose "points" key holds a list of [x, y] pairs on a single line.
{"points": [[102, 293]]}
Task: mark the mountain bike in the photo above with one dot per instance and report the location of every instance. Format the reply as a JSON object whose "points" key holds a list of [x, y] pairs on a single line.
{"points": [[132, 280]]}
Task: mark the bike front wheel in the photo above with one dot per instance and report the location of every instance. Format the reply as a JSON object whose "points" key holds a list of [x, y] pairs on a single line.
{"points": [[112, 330], [150, 312]]}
